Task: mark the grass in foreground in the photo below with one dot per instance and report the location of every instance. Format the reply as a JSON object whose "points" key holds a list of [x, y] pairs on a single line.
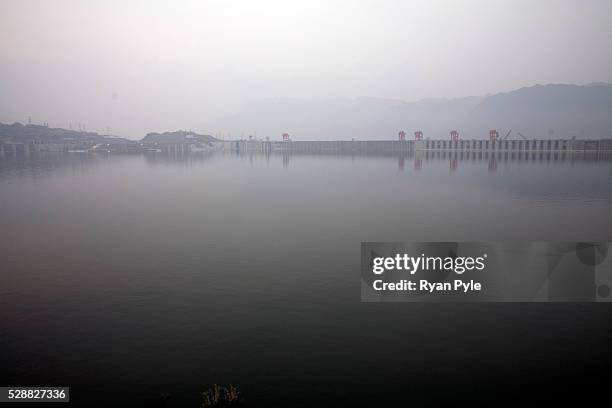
{"points": [[221, 397]]}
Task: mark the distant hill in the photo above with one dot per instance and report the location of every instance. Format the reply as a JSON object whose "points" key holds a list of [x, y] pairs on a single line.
{"points": [[541, 111], [18, 132], [549, 111], [180, 136]]}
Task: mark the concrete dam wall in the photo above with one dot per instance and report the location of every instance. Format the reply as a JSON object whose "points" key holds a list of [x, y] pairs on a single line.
{"points": [[389, 146]]}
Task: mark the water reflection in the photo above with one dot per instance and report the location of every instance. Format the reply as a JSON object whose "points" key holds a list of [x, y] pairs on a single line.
{"points": [[244, 263], [420, 159], [36, 164]]}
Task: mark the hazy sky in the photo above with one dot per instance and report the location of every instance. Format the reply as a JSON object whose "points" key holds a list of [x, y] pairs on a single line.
{"points": [[139, 66]]}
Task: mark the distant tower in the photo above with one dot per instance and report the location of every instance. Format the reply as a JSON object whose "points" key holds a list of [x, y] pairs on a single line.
{"points": [[402, 135], [286, 137], [493, 134], [29, 120], [454, 135], [418, 135]]}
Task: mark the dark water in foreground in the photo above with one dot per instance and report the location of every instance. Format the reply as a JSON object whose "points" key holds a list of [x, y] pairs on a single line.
{"points": [[126, 277]]}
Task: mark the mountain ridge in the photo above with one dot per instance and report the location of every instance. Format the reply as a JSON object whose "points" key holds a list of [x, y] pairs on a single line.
{"points": [[537, 111], [549, 110]]}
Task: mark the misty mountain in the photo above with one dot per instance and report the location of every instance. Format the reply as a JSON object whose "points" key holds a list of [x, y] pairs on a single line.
{"points": [[179, 136], [538, 111], [548, 111], [20, 133]]}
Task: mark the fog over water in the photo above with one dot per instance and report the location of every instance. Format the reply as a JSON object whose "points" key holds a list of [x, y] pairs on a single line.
{"points": [[139, 66]]}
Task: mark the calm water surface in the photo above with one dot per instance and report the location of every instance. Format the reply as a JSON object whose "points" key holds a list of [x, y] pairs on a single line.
{"points": [[126, 277]]}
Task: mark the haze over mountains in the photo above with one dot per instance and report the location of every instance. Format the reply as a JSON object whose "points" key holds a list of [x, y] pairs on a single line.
{"points": [[19, 133], [540, 111]]}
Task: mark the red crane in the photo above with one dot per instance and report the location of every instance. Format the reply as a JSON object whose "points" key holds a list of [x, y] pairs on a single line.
{"points": [[418, 135], [454, 135], [402, 135]]}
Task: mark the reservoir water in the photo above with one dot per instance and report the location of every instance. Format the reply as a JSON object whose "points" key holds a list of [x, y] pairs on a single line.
{"points": [[127, 277]]}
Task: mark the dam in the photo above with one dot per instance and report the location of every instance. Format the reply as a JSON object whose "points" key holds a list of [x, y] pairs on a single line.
{"points": [[392, 146], [355, 147]]}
